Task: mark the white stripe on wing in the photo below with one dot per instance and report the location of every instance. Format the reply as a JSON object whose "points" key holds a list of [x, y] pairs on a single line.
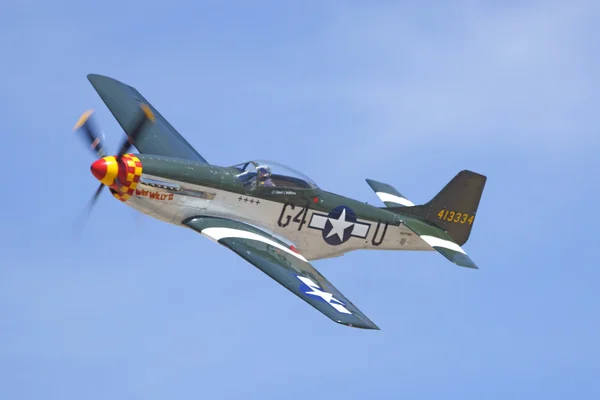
{"points": [[217, 234]]}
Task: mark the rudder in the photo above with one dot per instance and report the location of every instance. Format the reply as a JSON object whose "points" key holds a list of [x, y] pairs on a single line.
{"points": [[454, 208]]}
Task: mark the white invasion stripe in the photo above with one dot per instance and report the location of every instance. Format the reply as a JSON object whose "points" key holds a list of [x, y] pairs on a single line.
{"points": [[221, 233], [318, 221], [394, 199], [437, 242], [360, 230]]}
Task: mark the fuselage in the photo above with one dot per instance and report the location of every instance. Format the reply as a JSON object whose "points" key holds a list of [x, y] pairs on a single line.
{"points": [[318, 223]]}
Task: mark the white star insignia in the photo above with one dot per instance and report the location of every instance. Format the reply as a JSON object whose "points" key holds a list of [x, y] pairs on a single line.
{"points": [[339, 225]]}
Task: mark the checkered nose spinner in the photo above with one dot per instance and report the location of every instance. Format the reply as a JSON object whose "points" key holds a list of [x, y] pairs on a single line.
{"points": [[121, 174]]}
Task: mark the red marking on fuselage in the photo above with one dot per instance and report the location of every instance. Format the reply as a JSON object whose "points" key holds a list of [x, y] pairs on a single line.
{"points": [[154, 195]]}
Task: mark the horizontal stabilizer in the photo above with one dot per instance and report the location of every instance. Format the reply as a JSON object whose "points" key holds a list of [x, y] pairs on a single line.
{"points": [[441, 242], [389, 195]]}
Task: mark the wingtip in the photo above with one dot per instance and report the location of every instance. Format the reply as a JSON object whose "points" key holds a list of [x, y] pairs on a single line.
{"points": [[96, 79], [368, 325], [371, 327]]}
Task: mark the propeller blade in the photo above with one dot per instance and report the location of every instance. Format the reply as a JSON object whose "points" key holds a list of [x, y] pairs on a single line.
{"points": [[128, 141], [96, 195], [95, 142], [80, 221], [92, 137]]}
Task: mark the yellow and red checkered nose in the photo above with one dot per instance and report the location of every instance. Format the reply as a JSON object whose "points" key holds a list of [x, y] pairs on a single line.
{"points": [[120, 175], [105, 170]]}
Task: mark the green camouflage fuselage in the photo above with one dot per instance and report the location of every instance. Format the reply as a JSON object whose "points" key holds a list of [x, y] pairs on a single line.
{"points": [[319, 224]]}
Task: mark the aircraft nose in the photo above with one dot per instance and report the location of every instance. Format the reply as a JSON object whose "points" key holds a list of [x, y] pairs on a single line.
{"points": [[99, 169], [105, 170]]}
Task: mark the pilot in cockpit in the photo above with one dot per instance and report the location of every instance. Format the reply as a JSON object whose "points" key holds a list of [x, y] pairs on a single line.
{"points": [[264, 176]]}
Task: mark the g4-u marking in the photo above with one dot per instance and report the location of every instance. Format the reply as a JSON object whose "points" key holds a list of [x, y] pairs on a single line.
{"points": [[272, 216]]}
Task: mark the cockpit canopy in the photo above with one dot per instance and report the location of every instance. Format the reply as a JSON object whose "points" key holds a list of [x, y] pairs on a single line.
{"points": [[263, 173]]}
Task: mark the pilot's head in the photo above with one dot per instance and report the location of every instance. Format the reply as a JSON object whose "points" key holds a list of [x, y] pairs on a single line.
{"points": [[264, 172]]}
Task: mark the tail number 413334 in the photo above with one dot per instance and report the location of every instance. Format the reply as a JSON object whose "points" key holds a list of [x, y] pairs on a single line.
{"points": [[457, 217]]}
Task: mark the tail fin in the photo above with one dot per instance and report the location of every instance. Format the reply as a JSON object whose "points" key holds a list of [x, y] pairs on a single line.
{"points": [[454, 207]]}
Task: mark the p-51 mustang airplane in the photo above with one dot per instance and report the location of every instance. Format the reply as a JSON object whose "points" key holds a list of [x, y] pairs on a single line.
{"points": [[274, 217]]}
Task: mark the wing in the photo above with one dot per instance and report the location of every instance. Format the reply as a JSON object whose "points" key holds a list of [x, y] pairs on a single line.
{"points": [[280, 262], [159, 138]]}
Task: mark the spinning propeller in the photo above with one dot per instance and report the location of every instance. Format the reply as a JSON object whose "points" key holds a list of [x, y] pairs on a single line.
{"points": [[95, 142]]}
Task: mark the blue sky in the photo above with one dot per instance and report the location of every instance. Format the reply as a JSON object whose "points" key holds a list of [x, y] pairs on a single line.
{"points": [[402, 93]]}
